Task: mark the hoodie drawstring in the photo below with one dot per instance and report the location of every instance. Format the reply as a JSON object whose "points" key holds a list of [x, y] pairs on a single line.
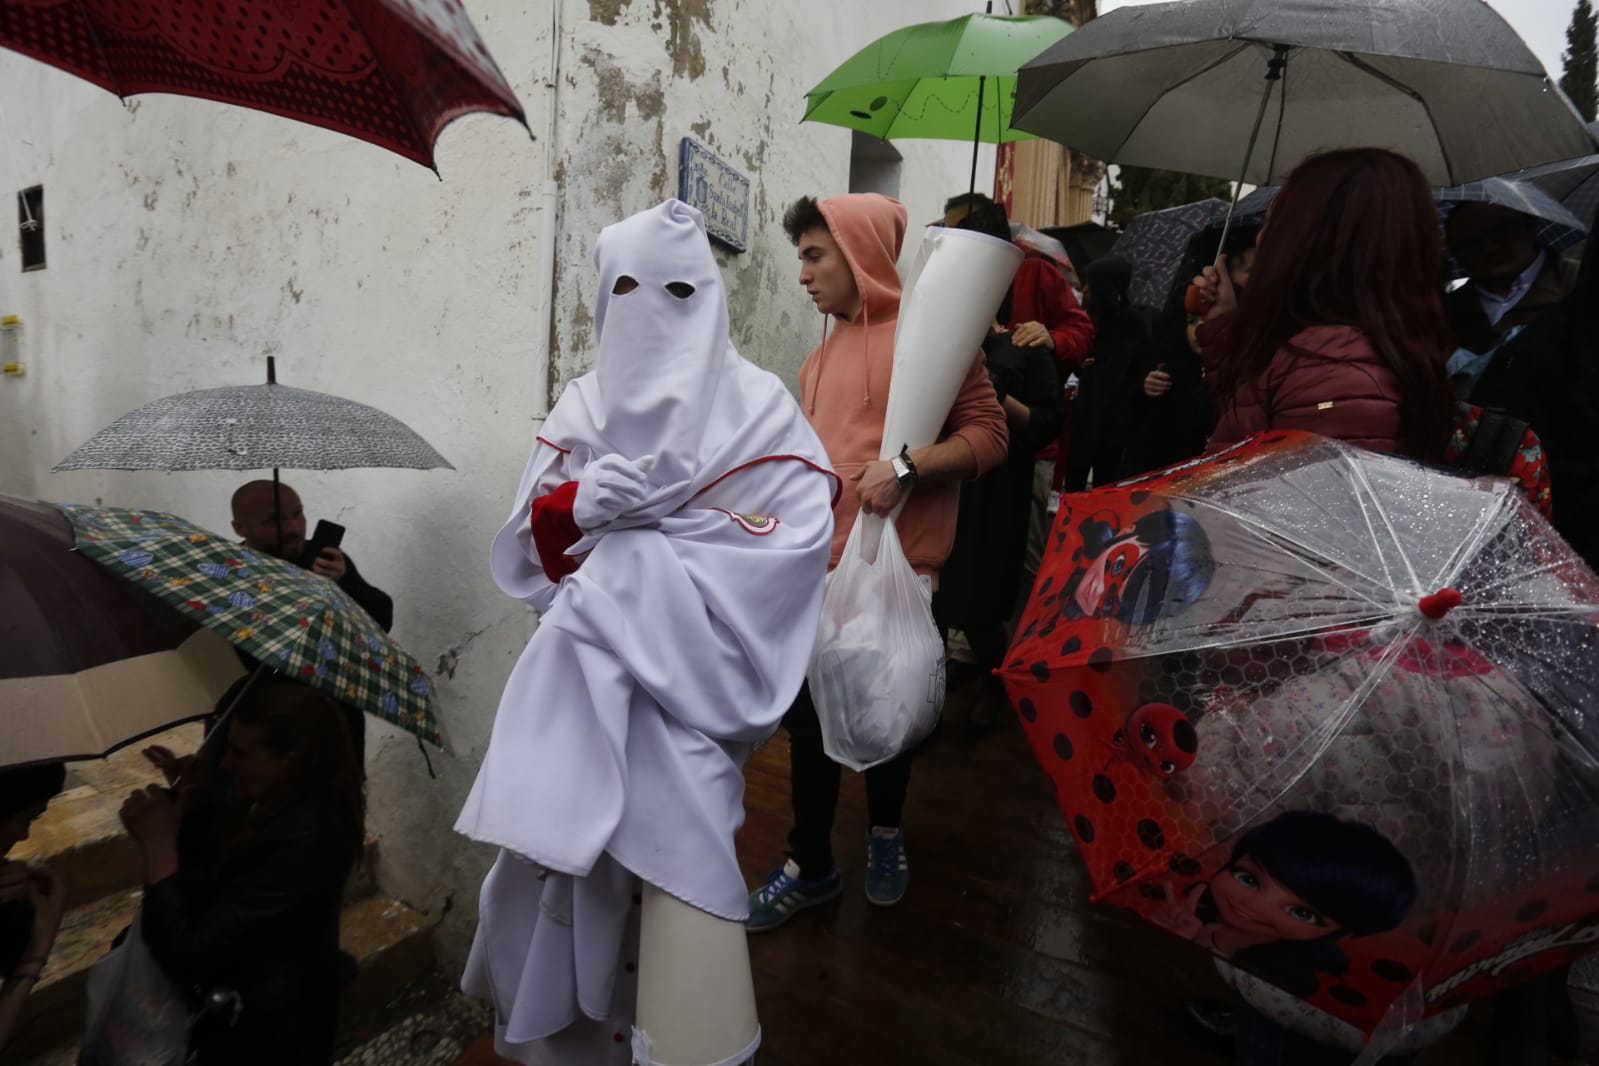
{"points": [[866, 357], [821, 361]]}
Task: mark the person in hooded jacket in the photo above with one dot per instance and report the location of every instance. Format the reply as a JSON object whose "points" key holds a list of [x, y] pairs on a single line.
{"points": [[1100, 409], [848, 246]]}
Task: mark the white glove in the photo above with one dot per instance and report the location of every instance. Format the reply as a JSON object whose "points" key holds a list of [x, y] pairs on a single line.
{"points": [[608, 488]]}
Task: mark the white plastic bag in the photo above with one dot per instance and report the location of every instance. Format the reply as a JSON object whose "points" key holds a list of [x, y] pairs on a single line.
{"points": [[877, 674], [137, 1015]]}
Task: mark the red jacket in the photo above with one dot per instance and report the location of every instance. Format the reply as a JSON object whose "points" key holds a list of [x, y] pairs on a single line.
{"points": [[1326, 379], [1039, 293]]}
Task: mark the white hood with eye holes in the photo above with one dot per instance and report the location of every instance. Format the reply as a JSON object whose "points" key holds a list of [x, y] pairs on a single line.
{"points": [[667, 381]]}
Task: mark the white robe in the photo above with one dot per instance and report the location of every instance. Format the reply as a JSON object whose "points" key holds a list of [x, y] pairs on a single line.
{"points": [[618, 748]]}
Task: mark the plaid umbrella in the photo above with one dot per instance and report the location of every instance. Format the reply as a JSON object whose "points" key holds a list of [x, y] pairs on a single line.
{"points": [[295, 621], [392, 72], [89, 663]]}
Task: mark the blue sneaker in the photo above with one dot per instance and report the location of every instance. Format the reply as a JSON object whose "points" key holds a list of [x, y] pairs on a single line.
{"points": [[888, 875], [785, 895]]}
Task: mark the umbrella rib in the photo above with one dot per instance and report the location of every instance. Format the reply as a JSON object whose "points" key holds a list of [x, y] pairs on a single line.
{"points": [[1399, 86], [1364, 485], [94, 35], [1243, 45]]}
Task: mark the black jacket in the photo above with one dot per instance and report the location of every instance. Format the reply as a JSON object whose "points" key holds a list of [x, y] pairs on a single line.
{"points": [[258, 916], [1170, 428], [372, 599]]}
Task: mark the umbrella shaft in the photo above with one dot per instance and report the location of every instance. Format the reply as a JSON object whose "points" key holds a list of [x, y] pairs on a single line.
{"points": [[1274, 72]]}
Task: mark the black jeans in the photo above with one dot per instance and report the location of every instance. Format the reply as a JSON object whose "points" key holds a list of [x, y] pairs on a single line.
{"points": [[813, 789]]}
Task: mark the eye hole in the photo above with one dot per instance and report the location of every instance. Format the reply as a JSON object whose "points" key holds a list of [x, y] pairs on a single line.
{"points": [[1167, 767], [681, 289], [624, 285], [1146, 733]]}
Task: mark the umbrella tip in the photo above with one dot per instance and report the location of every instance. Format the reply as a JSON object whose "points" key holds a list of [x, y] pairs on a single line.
{"points": [[1439, 603], [272, 370]]}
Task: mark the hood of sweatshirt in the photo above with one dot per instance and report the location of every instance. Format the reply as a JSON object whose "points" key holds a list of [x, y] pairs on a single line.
{"points": [[869, 229]]}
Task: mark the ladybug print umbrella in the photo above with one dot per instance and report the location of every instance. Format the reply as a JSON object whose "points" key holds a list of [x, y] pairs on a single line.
{"points": [[1327, 714]]}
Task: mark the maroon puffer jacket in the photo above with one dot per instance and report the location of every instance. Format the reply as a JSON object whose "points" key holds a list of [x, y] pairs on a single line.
{"points": [[1326, 379]]}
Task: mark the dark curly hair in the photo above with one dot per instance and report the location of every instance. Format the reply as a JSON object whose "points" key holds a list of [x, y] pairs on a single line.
{"points": [[802, 216]]}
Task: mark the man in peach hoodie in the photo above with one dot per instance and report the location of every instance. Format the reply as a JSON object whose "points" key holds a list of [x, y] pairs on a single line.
{"points": [[848, 247]]}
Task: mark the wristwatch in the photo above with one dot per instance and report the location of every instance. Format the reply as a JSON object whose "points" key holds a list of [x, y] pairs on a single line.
{"points": [[904, 469]]}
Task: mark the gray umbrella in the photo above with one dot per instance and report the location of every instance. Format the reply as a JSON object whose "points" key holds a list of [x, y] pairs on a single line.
{"points": [[1558, 227], [253, 427], [1183, 86]]}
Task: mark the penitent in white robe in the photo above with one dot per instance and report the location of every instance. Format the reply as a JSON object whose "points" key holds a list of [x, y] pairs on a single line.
{"points": [[674, 649]]}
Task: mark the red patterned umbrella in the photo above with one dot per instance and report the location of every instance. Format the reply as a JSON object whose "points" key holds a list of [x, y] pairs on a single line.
{"points": [[392, 72]]}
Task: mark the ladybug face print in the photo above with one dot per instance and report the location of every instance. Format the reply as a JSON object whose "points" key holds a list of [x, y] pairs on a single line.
{"points": [[1160, 739], [1113, 550]]}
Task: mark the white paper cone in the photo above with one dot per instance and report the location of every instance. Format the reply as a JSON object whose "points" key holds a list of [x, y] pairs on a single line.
{"points": [[953, 289], [696, 997]]}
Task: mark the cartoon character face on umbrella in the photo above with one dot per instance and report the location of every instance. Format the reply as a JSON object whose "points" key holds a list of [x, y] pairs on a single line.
{"points": [[1295, 885], [1133, 568], [1159, 739]]}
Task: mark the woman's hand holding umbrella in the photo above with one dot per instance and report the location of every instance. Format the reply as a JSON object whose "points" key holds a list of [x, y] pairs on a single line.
{"points": [[1214, 286]]}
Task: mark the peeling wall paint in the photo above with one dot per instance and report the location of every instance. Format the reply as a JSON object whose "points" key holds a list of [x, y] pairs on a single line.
{"points": [[189, 240]]}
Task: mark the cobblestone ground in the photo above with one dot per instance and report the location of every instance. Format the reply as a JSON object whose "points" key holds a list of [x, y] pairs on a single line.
{"points": [[431, 1024]]}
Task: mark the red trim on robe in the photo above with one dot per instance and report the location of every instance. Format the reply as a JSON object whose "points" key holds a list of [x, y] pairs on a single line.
{"points": [[554, 530], [551, 443], [838, 483]]}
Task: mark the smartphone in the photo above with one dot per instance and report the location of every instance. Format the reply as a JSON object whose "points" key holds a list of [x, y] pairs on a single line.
{"points": [[327, 535]]}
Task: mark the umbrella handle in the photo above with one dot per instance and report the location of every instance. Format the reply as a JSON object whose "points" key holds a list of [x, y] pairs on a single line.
{"points": [[238, 697]]}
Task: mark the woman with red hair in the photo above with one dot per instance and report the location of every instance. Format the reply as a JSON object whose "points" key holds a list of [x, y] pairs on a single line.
{"points": [[1343, 332]]}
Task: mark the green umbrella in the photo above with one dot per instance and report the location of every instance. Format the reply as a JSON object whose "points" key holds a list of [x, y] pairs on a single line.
{"points": [[295, 621], [941, 80]]}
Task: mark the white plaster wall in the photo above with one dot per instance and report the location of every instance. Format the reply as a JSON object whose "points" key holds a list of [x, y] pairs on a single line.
{"points": [[187, 241]]}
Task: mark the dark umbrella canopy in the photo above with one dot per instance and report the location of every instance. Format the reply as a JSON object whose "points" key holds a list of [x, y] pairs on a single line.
{"points": [[1574, 182], [88, 662], [392, 72], [1179, 86], [1155, 243], [1558, 227]]}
